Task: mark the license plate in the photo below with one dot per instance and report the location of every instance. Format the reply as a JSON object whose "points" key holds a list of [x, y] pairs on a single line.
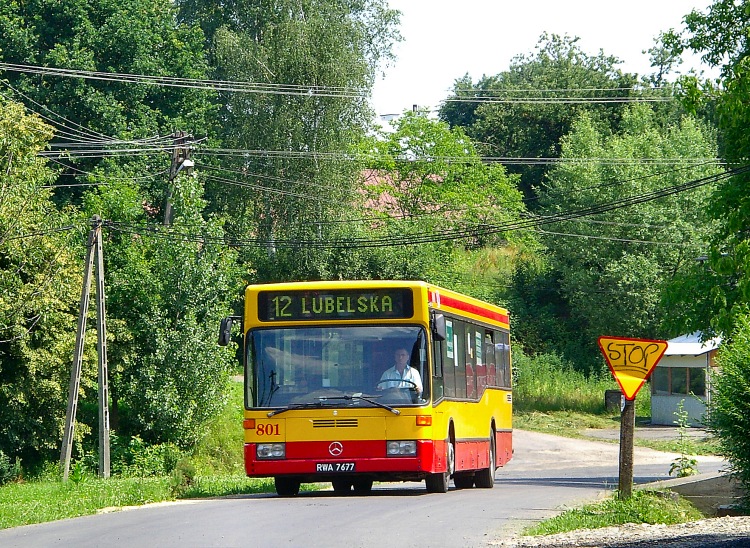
{"points": [[334, 467]]}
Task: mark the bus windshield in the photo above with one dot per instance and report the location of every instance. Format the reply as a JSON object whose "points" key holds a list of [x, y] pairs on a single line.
{"points": [[339, 366]]}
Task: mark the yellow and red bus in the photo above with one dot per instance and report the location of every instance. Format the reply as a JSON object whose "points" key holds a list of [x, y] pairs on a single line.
{"points": [[323, 402]]}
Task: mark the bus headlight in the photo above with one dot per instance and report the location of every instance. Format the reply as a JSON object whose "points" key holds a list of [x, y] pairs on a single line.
{"points": [[402, 448], [270, 450]]}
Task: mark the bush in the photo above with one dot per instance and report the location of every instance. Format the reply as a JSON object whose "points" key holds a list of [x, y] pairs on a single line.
{"points": [[729, 411], [137, 458], [9, 471], [182, 478]]}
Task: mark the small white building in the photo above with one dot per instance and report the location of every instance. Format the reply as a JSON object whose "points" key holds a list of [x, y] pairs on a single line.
{"points": [[683, 375]]}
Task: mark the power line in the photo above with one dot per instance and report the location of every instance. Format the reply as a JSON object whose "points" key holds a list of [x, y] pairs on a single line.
{"points": [[363, 157], [613, 239], [415, 239], [322, 91], [192, 83]]}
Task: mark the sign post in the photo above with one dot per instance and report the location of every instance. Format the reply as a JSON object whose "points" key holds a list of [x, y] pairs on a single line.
{"points": [[631, 362]]}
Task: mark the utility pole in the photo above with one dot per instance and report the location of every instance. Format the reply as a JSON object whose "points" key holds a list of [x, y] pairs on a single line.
{"points": [[627, 435], [180, 160], [93, 250], [101, 350]]}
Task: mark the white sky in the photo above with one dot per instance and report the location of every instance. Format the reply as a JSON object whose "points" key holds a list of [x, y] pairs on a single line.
{"points": [[443, 40]]}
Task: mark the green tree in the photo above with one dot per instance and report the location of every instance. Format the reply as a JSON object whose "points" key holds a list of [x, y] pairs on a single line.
{"points": [[612, 267], [718, 290], [317, 61], [40, 283], [729, 416], [522, 112], [106, 115], [167, 290], [429, 185]]}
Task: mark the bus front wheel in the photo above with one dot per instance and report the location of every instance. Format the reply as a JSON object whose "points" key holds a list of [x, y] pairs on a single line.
{"points": [[286, 487], [438, 483]]}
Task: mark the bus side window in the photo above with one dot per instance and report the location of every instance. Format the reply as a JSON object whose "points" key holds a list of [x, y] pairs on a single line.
{"points": [[506, 360], [449, 361], [459, 332], [489, 358]]}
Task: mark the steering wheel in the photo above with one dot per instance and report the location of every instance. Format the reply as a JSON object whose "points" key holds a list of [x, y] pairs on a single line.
{"points": [[413, 384]]}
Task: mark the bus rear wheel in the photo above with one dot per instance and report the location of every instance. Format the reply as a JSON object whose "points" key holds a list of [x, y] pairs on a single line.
{"points": [[485, 478], [286, 486]]}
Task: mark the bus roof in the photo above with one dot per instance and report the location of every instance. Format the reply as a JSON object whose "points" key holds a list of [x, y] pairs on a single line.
{"points": [[437, 298]]}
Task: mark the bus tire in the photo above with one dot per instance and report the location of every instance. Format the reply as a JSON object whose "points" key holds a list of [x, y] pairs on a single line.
{"points": [[342, 486], [463, 480], [438, 483], [485, 478], [362, 486], [286, 486]]}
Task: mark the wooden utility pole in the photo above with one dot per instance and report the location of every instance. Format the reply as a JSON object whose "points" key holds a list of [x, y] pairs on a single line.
{"points": [[631, 362], [93, 250], [627, 434], [101, 350]]}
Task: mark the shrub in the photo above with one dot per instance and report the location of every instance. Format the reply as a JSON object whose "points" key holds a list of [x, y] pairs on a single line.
{"points": [[9, 471], [137, 458], [182, 478], [729, 411]]}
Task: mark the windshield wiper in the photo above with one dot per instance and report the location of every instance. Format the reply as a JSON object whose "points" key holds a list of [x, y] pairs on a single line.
{"points": [[308, 405], [368, 399]]}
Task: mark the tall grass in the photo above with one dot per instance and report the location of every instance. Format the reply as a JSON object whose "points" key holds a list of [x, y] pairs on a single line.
{"points": [[550, 395], [219, 451], [642, 507], [547, 382]]}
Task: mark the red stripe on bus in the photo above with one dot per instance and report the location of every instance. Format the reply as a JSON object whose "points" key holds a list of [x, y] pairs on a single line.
{"points": [[473, 309]]}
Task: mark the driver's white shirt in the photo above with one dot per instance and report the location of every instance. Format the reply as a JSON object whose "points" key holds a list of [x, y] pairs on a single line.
{"points": [[410, 374]]}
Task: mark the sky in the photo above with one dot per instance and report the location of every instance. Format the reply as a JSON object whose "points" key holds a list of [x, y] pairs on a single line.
{"points": [[443, 40]]}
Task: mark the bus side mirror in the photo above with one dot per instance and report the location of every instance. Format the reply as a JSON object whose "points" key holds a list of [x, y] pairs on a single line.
{"points": [[225, 331], [438, 327]]}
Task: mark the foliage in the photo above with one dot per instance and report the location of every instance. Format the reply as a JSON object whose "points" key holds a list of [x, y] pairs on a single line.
{"points": [[219, 449], [167, 292], [129, 37], [642, 507], [729, 408], [292, 191], [615, 282], [40, 284], [182, 478], [434, 174], [520, 114], [9, 471], [427, 185], [139, 459], [719, 290]]}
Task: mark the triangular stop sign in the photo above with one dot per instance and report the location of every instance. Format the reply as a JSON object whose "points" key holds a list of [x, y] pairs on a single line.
{"points": [[631, 360]]}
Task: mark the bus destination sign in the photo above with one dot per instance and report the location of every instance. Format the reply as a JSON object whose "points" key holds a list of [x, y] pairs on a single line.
{"points": [[335, 304]]}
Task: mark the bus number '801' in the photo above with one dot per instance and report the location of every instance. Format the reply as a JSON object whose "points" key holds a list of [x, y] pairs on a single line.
{"points": [[267, 429]]}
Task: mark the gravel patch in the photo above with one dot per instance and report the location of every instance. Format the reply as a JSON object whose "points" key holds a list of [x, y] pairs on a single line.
{"points": [[724, 532]]}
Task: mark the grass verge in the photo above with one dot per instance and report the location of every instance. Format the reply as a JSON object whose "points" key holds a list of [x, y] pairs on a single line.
{"points": [[642, 507]]}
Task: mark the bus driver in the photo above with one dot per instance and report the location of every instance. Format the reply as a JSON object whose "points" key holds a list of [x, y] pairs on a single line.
{"points": [[394, 376]]}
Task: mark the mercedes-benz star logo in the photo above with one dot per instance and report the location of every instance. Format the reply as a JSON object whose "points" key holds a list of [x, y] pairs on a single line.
{"points": [[336, 448]]}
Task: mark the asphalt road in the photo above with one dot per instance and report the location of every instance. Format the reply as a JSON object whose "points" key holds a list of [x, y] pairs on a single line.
{"points": [[546, 475]]}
